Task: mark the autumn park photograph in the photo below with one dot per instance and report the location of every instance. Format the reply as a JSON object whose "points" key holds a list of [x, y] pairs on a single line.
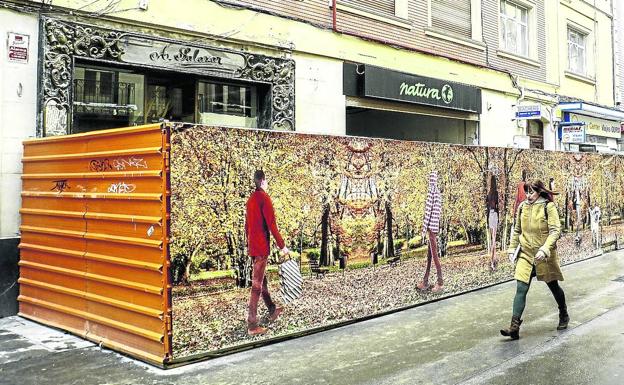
{"points": [[373, 225]]}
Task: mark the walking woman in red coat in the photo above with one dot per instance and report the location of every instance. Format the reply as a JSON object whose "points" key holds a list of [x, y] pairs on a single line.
{"points": [[259, 224]]}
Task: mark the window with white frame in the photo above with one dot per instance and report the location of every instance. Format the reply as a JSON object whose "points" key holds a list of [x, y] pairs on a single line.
{"points": [[514, 28], [577, 49]]}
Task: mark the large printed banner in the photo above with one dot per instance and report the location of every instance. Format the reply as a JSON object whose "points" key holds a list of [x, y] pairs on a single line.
{"points": [[375, 225]]}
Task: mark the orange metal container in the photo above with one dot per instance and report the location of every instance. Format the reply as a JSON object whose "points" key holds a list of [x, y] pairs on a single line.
{"points": [[94, 243]]}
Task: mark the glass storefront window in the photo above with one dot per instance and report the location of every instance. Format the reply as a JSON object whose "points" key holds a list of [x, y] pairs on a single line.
{"points": [[227, 104], [157, 103], [171, 97], [106, 98], [405, 126], [110, 97], [134, 90]]}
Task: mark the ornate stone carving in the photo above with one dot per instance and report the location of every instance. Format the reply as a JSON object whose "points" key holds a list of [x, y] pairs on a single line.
{"points": [[57, 75], [64, 41], [98, 44], [281, 74]]}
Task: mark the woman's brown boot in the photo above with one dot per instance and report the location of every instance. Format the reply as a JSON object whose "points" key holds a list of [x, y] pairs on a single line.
{"points": [[564, 318], [514, 329]]}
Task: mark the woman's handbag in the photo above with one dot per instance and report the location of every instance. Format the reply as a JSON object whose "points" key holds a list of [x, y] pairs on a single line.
{"points": [[291, 280]]}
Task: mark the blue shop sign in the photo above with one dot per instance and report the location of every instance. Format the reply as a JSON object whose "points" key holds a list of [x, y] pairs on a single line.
{"points": [[530, 111]]}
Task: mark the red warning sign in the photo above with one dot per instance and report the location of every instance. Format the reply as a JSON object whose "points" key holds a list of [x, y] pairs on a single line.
{"points": [[18, 48]]}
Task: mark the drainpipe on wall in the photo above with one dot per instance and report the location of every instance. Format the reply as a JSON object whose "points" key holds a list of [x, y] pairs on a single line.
{"points": [[596, 51], [516, 85], [334, 27], [614, 52]]}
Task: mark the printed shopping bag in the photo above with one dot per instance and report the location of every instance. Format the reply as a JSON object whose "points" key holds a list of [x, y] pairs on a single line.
{"points": [[291, 280]]}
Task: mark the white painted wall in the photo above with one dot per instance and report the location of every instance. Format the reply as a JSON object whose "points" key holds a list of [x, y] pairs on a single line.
{"points": [[496, 126], [551, 139], [17, 114], [618, 23], [320, 106]]}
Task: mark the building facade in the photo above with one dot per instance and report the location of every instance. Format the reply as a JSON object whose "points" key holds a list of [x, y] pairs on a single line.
{"points": [[18, 109], [587, 75], [97, 77], [522, 57], [618, 57], [524, 73]]}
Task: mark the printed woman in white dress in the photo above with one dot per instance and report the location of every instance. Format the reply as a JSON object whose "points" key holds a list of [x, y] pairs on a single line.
{"points": [[492, 211]]}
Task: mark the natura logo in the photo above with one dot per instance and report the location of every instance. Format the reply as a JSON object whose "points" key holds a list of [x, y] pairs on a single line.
{"points": [[447, 94]]}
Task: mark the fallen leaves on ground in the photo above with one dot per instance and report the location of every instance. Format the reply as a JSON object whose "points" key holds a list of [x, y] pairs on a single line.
{"points": [[206, 322]]}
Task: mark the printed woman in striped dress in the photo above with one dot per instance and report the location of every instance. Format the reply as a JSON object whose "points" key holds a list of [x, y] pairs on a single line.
{"points": [[431, 227]]}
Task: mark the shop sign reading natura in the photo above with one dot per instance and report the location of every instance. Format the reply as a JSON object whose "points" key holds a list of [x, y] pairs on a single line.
{"points": [[393, 85], [181, 57]]}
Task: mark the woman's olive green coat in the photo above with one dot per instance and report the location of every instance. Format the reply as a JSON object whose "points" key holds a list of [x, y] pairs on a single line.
{"points": [[534, 233]]}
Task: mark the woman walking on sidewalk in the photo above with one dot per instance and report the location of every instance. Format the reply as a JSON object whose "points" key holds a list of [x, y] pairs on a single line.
{"points": [[536, 231]]}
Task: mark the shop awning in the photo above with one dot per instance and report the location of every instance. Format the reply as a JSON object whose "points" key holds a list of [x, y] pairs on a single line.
{"points": [[593, 110], [407, 108]]}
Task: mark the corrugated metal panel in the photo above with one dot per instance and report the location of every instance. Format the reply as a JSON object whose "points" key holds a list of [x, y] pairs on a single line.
{"points": [[452, 16], [94, 245]]}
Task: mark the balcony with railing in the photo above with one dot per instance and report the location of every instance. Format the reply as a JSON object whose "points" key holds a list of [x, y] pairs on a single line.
{"points": [[104, 97]]}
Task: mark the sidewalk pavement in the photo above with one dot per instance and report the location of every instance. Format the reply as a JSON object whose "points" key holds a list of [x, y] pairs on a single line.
{"points": [[455, 341]]}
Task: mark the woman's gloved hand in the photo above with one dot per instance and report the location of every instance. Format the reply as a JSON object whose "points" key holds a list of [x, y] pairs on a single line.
{"points": [[540, 256]]}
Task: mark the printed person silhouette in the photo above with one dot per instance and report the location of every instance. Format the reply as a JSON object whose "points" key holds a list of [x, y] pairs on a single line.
{"points": [[594, 215], [431, 227], [492, 215], [259, 224]]}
